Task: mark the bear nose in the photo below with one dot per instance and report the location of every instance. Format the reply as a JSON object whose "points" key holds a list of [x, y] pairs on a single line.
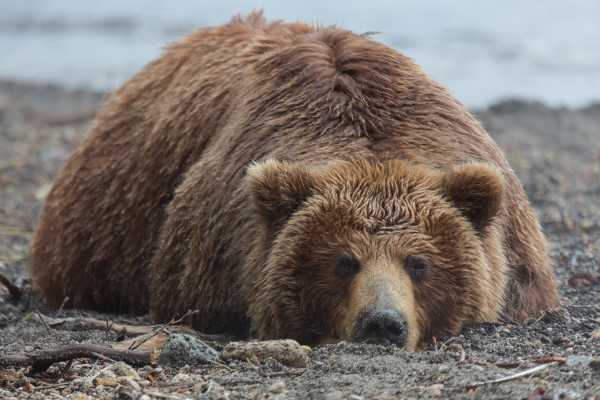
{"points": [[384, 326]]}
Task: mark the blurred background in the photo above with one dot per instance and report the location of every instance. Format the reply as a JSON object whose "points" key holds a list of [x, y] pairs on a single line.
{"points": [[483, 51]]}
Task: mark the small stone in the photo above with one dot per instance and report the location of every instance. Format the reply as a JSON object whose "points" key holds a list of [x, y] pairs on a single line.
{"points": [[596, 333], [562, 394], [122, 369], [335, 395], [128, 382], [435, 390], [277, 391], [278, 387], [560, 340], [84, 383], [183, 379], [584, 279], [288, 352], [211, 390], [78, 396], [126, 393], [153, 374], [181, 349], [537, 394], [578, 361], [105, 378], [443, 368]]}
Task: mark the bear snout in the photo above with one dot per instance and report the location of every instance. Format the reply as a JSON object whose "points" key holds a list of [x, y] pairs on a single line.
{"points": [[384, 326]]}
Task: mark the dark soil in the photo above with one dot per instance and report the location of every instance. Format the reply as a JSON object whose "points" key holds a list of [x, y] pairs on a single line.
{"points": [[556, 153]]}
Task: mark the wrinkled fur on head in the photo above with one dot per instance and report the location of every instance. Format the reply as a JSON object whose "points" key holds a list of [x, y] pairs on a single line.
{"points": [[379, 213]]}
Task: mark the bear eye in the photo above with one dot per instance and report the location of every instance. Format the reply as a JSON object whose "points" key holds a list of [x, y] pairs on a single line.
{"points": [[417, 267], [346, 266]]}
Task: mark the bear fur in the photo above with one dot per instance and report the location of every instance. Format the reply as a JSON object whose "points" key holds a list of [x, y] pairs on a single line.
{"points": [[229, 174]]}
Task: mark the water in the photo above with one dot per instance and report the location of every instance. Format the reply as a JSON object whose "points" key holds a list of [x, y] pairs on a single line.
{"points": [[483, 51]]}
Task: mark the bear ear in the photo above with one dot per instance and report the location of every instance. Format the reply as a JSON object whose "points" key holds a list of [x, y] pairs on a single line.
{"points": [[278, 189], [477, 191]]}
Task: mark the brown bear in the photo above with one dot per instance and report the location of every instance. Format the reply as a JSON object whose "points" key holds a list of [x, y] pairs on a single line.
{"points": [[292, 181]]}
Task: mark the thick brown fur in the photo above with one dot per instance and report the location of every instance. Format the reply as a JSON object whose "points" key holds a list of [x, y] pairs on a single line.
{"points": [[156, 211]]}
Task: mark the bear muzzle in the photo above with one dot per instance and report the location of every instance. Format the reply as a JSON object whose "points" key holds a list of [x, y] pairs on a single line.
{"points": [[382, 326]]}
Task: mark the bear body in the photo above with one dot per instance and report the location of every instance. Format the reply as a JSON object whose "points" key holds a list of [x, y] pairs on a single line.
{"points": [[292, 181]]}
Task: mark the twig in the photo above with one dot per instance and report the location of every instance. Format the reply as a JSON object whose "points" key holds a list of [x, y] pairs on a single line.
{"points": [[41, 385], [104, 358], [89, 324], [62, 305], [526, 372], [44, 323], [14, 291], [130, 331], [109, 324], [41, 360], [550, 359], [67, 366], [162, 327]]}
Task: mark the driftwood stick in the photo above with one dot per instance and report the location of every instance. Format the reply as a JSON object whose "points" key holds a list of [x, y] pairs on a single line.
{"points": [[13, 290], [88, 324], [92, 324], [517, 375], [40, 361]]}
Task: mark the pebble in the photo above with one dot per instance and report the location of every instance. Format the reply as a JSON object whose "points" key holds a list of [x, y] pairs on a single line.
{"points": [[184, 379], [182, 349], [335, 395], [115, 374], [579, 361], [435, 390], [211, 391], [562, 394], [278, 387], [78, 396], [129, 383], [288, 352], [277, 391], [122, 369]]}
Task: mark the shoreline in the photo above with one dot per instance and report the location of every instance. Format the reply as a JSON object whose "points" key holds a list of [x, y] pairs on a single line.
{"points": [[42, 88]]}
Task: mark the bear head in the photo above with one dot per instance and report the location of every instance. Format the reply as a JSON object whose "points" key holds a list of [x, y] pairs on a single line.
{"points": [[390, 252]]}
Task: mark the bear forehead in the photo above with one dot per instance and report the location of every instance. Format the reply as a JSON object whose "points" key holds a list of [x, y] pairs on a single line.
{"points": [[399, 174], [414, 217], [387, 196]]}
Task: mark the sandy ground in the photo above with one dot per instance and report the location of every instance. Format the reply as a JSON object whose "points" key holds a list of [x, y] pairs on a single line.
{"points": [[556, 152]]}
